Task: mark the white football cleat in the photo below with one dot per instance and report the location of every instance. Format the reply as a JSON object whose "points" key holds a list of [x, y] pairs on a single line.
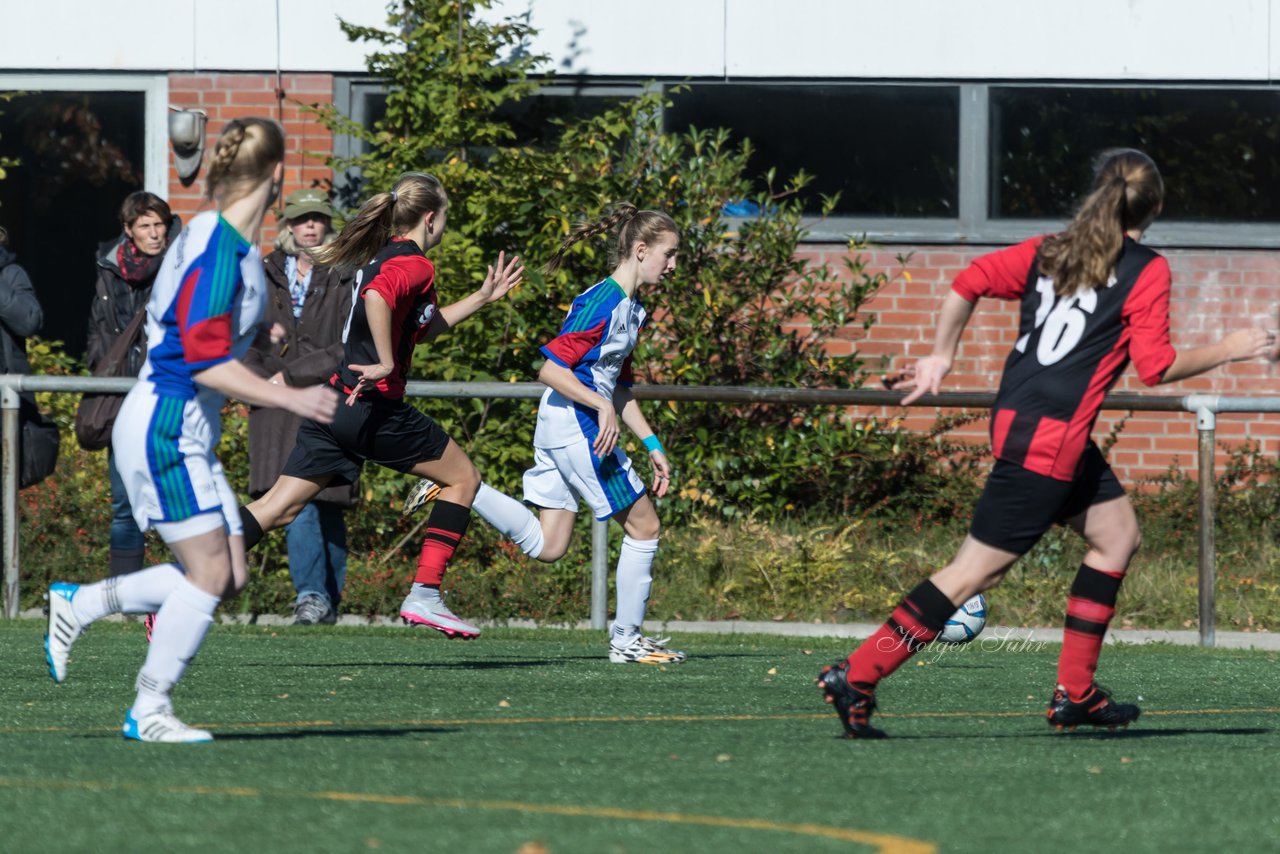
{"points": [[643, 650], [162, 727], [423, 491], [64, 628], [434, 614]]}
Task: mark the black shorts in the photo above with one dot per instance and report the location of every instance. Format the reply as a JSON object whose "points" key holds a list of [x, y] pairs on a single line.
{"points": [[1018, 506], [387, 432]]}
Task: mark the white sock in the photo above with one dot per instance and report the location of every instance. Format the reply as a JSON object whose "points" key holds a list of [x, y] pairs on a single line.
{"points": [[621, 635], [513, 520], [140, 592], [181, 624], [634, 581]]}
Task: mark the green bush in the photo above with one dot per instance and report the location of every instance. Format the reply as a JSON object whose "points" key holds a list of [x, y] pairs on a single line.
{"points": [[817, 564]]}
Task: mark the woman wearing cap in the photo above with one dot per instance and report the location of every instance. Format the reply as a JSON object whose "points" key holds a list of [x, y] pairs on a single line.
{"points": [[300, 344]]}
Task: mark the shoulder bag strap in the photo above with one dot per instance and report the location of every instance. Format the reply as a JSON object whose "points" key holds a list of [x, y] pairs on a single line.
{"points": [[113, 363]]}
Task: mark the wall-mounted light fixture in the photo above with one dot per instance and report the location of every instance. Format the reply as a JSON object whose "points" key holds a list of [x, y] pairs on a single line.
{"points": [[186, 134]]}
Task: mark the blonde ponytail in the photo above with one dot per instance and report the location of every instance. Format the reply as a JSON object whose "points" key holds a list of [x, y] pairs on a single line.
{"points": [[382, 217], [1127, 194]]}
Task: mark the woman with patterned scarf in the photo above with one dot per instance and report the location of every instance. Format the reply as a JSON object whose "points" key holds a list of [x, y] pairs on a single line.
{"points": [[127, 268]]}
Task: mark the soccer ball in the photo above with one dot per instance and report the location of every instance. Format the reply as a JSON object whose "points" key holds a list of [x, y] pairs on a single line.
{"points": [[965, 623]]}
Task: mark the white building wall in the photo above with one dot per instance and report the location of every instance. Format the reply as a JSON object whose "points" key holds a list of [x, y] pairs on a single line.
{"points": [[927, 39], [183, 35]]}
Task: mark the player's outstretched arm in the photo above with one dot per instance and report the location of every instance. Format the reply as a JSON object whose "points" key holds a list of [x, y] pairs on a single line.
{"points": [[234, 379], [1237, 347], [925, 376], [632, 416], [562, 380], [498, 282]]}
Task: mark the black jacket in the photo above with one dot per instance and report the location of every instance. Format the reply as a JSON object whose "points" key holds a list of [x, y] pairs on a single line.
{"points": [[20, 314], [115, 302]]}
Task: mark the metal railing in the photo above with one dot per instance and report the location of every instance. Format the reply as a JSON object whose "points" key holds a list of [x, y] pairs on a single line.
{"points": [[1205, 406]]}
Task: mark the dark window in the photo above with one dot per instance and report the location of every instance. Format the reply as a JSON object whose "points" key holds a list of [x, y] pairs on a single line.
{"points": [[369, 106], [532, 119], [81, 153], [888, 150], [1218, 150], [537, 120]]}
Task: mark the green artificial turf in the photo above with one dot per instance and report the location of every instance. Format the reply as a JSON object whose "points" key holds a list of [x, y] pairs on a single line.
{"points": [[353, 739]]}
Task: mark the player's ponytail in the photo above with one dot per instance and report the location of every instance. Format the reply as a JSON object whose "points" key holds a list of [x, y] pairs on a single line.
{"points": [[1127, 194], [633, 226], [382, 217]]}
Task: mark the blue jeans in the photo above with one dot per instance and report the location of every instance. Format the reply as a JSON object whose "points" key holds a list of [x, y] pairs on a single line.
{"points": [[317, 541], [125, 535]]}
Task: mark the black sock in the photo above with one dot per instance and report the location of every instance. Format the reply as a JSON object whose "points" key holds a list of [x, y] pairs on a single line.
{"points": [[252, 530], [930, 606]]}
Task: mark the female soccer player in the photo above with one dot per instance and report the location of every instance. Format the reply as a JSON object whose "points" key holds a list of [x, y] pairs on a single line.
{"points": [[588, 375], [1092, 299], [202, 316], [394, 309]]}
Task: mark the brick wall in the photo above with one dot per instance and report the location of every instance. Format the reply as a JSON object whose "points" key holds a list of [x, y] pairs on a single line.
{"points": [[231, 96], [1214, 291]]}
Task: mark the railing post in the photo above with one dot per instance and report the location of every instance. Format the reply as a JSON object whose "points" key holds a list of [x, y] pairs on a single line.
{"points": [[9, 402], [599, 573], [1206, 424]]}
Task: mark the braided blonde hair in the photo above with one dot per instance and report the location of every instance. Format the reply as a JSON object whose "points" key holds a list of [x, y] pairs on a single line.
{"points": [[633, 226], [245, 154]]}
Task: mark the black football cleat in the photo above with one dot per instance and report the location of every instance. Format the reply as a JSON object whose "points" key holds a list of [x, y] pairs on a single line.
{"points": [[1096, 709], [853, 706]]}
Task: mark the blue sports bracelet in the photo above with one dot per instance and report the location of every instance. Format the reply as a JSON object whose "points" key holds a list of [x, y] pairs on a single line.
{"points": [[652, 444]]}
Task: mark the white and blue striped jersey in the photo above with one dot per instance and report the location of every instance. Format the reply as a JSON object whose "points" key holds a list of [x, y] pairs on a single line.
{"points": [[595, 343], [205, 306]]}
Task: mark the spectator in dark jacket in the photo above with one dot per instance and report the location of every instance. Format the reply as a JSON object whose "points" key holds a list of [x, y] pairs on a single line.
{"points": [[127, 267], [20, 314], [300, 345]]}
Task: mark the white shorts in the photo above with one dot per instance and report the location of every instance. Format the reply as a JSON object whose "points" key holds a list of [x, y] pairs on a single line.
{"points": [[560, 477], [163, 449]]}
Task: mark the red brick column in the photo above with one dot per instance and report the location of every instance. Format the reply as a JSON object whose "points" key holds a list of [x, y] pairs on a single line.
{"points": [[230, 96]]}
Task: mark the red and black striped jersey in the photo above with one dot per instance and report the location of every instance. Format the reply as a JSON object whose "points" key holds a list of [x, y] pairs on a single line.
{"points": [[402, 275], [1070, 350]]}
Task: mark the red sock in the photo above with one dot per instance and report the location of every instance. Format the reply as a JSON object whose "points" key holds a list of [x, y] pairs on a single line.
{"points": [[445, 527], [917, 620], [1090, 607]]}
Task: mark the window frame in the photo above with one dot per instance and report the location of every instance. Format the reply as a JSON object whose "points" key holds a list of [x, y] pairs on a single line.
{"points": [[973, 224], [350, 91], [155, 111]]}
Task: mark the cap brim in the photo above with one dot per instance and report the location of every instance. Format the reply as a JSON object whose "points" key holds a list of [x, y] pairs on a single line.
{"points": [[295, 211]]}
